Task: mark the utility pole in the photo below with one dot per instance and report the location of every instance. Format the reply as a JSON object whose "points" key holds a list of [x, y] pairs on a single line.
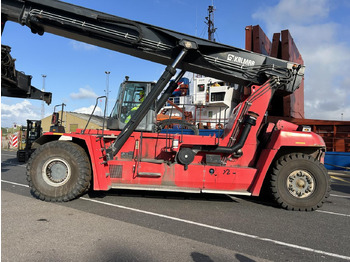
{"points": [[210, 22], [43, 103], [107, 89]]}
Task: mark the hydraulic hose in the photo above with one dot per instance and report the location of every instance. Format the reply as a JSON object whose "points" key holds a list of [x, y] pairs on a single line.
{"points": [[249, 121]]}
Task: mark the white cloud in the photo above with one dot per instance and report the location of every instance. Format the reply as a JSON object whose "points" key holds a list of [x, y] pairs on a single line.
{"points": [[88, 110], [18, 113], [84, 93], [325, 54], [288, 12], [82, 46]]}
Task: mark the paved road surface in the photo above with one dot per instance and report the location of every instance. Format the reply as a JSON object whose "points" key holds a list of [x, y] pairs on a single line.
{"points": [[149, 226]]}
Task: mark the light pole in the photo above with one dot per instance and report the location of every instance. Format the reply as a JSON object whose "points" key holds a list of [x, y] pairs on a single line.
{"points": [[42, 103], [107, 89]]}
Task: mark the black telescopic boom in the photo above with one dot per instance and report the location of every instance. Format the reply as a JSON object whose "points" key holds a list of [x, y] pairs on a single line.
{"points": [[169, 91], [150, 42]]}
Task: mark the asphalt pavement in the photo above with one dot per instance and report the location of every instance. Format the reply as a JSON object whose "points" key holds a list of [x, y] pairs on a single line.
{"points": [[121, 225]]}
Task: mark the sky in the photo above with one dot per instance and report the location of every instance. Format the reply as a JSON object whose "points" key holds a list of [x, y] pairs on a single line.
{"points": [[75, 71]]}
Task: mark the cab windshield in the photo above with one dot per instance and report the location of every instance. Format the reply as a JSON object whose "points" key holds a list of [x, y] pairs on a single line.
{"points": [[129, 99]]}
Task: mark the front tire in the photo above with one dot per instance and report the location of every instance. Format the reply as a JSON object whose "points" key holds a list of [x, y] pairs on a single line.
{"points": [[59, 171], [299, 182]]}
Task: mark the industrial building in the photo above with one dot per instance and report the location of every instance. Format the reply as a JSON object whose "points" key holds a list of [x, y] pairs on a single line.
{"points": [[72, 121]]}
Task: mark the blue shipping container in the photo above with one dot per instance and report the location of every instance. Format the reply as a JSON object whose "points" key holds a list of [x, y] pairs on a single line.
{"points": [[337, 160]]}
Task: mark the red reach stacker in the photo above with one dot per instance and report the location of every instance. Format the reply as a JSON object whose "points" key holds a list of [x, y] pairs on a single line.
{"points": [[252, 156]]}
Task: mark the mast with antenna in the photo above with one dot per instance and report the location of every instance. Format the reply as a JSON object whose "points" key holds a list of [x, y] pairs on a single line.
{"points": [[210, 22]]}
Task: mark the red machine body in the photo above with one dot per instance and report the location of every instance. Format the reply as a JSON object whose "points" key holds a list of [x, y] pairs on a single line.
{"points": [[147, 161]]}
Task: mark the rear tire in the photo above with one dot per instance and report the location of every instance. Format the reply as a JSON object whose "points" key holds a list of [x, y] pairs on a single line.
{"points": [[59, 171], [299, 182]]}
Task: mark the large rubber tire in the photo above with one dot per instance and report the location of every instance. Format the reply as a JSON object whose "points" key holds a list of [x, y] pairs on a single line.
{"points": [[299, 182], [59, 171]]}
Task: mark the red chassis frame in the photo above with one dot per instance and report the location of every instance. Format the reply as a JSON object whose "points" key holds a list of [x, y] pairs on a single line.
{"points": [[147, 161]]}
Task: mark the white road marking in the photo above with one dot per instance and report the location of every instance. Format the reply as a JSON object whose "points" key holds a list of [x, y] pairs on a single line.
{"points": [[10, 164], [332, 213], [7, 154], [220, 229], [14, 183], [339, 196], [214, 227]]}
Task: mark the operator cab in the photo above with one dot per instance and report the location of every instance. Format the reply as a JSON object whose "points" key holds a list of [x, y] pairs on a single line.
{"points": [[131, 95]]}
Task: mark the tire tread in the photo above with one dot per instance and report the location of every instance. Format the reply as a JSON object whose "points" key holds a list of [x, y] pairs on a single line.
{"points": [[276, 171], [84, 176]]}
